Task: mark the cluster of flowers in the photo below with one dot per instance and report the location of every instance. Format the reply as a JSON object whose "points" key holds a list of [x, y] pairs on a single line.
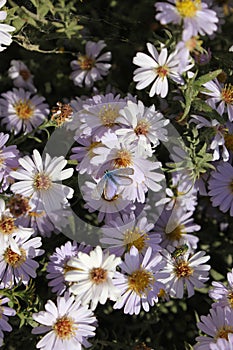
{"points": [[148, 230]]}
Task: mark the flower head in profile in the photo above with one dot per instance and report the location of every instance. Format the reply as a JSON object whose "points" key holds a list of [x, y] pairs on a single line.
{"points": [[194, 15], [57, 265], [91, 66], [138, 281], [5, 37], [8, 160], [217, 325], [222, 294], [21, 112], [157, 69], [5, 311], [39, 179], [92, 276], [21, 76], [221, 97], [221, 187], [68, 325]]}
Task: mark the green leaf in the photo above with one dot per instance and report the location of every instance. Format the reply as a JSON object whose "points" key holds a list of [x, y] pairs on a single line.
{"points": [[207, 77]]}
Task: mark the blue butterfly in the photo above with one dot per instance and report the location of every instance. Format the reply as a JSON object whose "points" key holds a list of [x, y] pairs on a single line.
{"points": [[107, 187]]}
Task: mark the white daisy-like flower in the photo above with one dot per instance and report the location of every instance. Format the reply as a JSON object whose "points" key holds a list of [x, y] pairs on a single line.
{"points": [[221, 97], [5, 37], [38, 179], [68, 325], [21, 75], [145, 126], [223, 295], [195, 16], [92, 277], [157, 69], [21, 112], [91, 66], [185, 272], [8, 229]]}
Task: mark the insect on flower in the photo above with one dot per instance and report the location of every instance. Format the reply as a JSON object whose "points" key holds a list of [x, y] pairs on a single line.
{"points": [[108, 186], [179, 251]]}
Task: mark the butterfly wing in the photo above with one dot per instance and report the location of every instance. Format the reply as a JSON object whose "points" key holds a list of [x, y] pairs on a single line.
{"points": [[110, 188], [121, 176], [99, 189]]}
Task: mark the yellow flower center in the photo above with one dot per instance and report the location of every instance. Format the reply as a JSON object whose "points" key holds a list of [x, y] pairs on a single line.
{"points": [[135, 238], [42, 182], [141, 281], [229, 141], [227, 93], [230, 298], [64, 327], [14, 259], [188, 8], [162, 71], [85, 62], [24, 109], [194, 44], [223, 332], [176, 234], [25, 74], [123, 159], [182, 269], [108, 115], [7, 225], [98, 275], [18, 205], [142, 127]]}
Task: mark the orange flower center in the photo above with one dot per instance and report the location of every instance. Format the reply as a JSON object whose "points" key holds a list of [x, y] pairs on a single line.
{"points": [[64, 327], [7, 225], [42, 182], [108, 115], [227, 93], [24, 109], [135, 238], [98, 275], [18, 205], [14, 259], [162, 71], [85, 62], [182, 269], [140, 281], [123, 159], [142, 127]]}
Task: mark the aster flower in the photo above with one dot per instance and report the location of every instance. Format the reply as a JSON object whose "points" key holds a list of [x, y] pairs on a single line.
{"points": [[123, 233], [5, 37], [145, 126], [108, 209], [187, 48], [38, 179], [92, 276], [185, 272], [57, 265], [20, 112], [99, 114], [220, 187], [218, 324], [68, 325], [8, 161], [176, 227], [91, 66], [116, 153], [157, 69], [194, 15], [223, 344], [221, 97], [9, 231], [223, 295], [138, 281], [21, 75], [5, 311], [19, 267]]}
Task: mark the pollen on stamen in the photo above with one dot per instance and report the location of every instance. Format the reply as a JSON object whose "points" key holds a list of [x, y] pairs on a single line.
{"points": [[123, 159], [223, 332], [142, 127], [135, 238], [140, 281], [182, 269], [13, 259], [85, 62], [7, 225], [227, 93], [23, 109], [176, 234], [64, 327], [18, 205], [108, 115], [42, 182], [162, 71], [98, 275], [188, 8]]}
